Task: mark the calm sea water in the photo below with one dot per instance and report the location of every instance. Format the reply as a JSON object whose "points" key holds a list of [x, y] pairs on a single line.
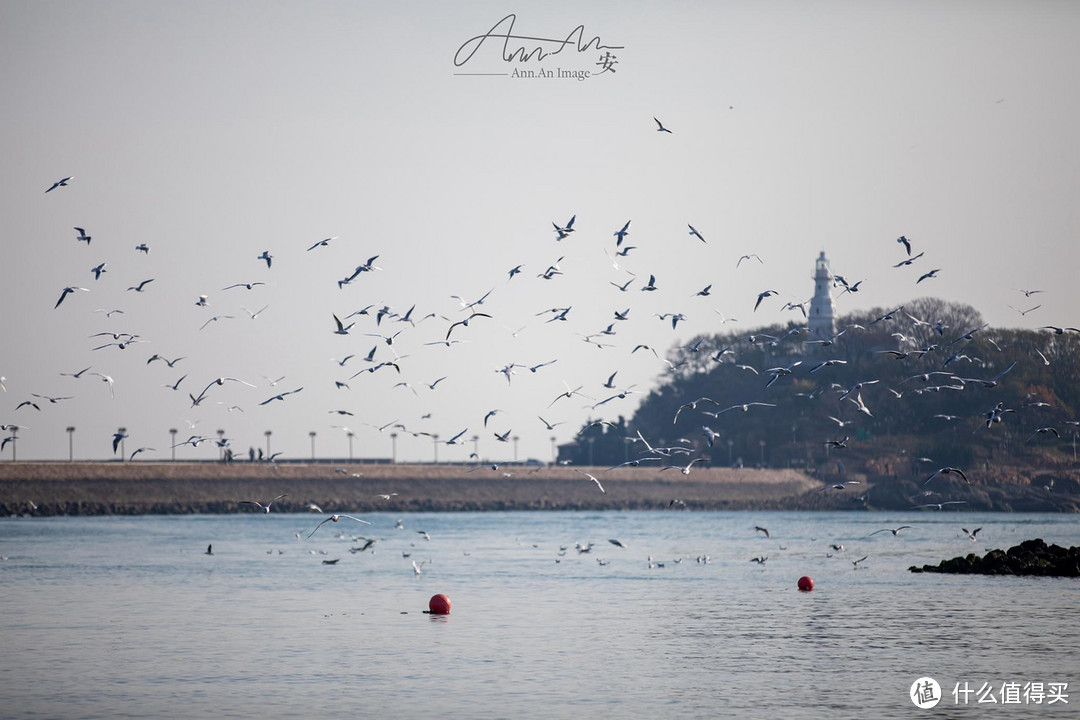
{"points": [[128, 617]]}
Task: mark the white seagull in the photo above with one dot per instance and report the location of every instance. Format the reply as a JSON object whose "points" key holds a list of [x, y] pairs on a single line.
{"points": [[593, 478], [265, 508], [335, 518]]}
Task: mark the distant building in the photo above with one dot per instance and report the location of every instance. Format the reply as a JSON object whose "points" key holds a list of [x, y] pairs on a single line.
{"points": [[822, 319]]}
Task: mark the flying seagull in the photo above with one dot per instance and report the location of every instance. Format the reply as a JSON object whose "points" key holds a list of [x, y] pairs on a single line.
{"points": [[60, 183], [265, 508], [280, 396], [948, 471], [593, 478], [341, 329], [322, 243], [761, 296], [335, 518], [659, 128], [66, 292], [894, 531], [565, 231]]}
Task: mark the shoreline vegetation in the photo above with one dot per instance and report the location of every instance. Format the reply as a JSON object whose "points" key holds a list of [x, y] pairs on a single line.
{"points": [[169, 488]]}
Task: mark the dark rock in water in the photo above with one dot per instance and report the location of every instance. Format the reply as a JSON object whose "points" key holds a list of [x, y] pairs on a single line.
{"points": [[1031, 557]]}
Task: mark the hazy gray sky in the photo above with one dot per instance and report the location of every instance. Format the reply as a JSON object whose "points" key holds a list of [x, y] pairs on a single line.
{"points": [[214, 131]]}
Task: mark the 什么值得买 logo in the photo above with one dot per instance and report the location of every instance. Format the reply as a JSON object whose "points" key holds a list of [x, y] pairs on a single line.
{"points": [[520, 49]]}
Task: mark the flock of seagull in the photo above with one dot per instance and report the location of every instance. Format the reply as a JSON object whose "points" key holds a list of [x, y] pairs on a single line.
{"points": [[477, 315]]}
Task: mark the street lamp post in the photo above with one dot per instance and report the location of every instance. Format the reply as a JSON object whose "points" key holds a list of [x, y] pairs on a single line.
{"points": [[123, 450], [554, 450], [221, 444], [350, 435], [515, 439], [312, 436], [476, 447], [393, 448], [591, 441], [172, 444], [267, 434], [71, 443], [762, 443], [730, 445], [14, 438], [435, 445]]}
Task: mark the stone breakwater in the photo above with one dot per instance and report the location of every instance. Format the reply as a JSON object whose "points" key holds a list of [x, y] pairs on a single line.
{"points": [[138, 488], [1031, 557]]}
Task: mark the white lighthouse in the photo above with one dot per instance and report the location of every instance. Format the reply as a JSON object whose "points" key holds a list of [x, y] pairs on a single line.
{"points": [[822, 322]]}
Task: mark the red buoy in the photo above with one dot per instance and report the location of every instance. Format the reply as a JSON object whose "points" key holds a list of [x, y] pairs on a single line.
{"points": [[439, 604], [806, 584]]}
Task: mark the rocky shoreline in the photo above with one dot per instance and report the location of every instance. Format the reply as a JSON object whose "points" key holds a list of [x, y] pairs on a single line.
{"points": [[1032, 557]]}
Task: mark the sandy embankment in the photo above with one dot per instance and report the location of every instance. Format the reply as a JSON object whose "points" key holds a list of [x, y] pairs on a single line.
{"points": [[89, 488]]}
